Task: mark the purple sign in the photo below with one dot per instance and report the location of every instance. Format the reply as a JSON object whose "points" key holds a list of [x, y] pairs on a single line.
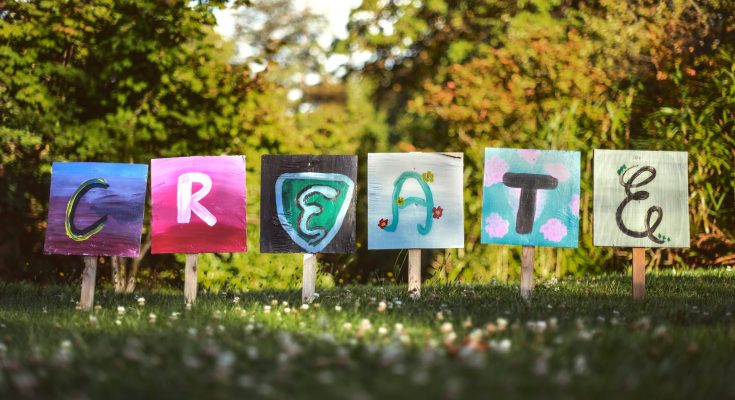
{"points": [[96, 209]]}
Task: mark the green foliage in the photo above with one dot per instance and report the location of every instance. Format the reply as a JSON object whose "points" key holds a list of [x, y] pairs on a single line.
{"points": [[461, 76]]}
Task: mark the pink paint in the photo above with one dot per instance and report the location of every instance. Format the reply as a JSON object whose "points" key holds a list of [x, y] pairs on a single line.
{"points": [[495, 168], [574, 205], [496, 226], [558, 171], [554, 230], [198, 205], [529, 155]]}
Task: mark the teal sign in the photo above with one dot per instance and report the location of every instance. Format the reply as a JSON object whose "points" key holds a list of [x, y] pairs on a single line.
{"points": [[311, 206]]}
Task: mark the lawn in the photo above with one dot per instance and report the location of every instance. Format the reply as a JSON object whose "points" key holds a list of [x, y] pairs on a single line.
{"points": [[577, 338]]}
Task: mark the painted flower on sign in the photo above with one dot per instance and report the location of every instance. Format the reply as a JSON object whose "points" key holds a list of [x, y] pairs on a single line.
{"points": [[383, 223], [428, 176], [438, 211], [400, 201]]}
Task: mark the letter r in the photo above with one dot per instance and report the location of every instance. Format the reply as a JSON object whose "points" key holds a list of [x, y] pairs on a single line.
{"points": [[188, 202]]}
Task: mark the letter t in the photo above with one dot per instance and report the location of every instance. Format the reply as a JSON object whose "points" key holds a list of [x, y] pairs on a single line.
{"points": [[529, 184]]}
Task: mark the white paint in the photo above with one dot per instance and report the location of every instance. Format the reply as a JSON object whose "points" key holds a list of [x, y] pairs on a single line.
{"points": [[669, 190], [188, 202], [447, 190], [313, 210]]}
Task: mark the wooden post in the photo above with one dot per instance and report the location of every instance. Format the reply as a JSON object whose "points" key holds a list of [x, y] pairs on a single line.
{"points": [[639, 273], [190, 278], [528, 254], [414, 272], [308, 283], [88, 277]]}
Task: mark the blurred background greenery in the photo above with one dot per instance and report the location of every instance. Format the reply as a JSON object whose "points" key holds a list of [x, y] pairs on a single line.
{"points": [[128, 80]]}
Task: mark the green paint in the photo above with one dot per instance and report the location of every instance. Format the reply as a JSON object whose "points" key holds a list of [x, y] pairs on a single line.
{"points": [[320, 220]]}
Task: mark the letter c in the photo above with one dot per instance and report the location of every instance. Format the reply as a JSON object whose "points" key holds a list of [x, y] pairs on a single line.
{"points": [[72, 231]]}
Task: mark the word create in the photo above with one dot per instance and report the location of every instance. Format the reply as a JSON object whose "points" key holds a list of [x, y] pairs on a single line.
{"points": [[198, 204], [96, 209], [531, 197], [415, 200], [308, 204], [640, 199]]}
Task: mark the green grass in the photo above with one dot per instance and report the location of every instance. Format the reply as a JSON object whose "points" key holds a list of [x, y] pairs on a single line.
{"points": [[578, 338]]}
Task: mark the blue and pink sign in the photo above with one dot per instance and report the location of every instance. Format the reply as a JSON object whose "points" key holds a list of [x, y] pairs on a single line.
{"points": [[531, 197], [96, 209]]}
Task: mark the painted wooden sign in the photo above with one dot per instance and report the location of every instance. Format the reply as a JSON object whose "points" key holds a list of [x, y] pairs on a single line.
{"points": [[96, 209], [198, 204], [531, 197], [415, 200], [641, 198], [308, 204]]}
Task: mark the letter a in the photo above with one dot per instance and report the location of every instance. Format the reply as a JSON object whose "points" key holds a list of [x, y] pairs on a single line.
{"points": [[188, 202]]}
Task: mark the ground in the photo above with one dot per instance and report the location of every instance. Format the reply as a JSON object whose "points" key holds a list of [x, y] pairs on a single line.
{"points": [[577, 338]]}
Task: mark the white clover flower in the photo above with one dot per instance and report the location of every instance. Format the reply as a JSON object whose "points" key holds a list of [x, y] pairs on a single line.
{"points": [[365, 325], [141, 301], [188, 306], [447, 327], [120, 310], [287, 310], [174, 316], [304, 307], [118, 322], [382, 306], [501, 323], [347, 326], [338, 308], [501, 346], [151, 317], [537, 327], [476, 335], [266, 309], [382, 331], [398, 327], [92, 319], [236, 300]]}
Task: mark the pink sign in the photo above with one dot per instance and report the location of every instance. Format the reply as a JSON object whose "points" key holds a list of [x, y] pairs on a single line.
{"points": [[198, 204]]}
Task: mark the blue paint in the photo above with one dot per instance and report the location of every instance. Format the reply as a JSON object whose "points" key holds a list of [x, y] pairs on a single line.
{"points": [[427, 202], [556, 213]]}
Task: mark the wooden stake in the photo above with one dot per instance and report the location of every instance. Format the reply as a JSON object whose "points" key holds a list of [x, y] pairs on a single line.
{"points": [[639, 273], [414, 272], [528, 254], [190, 278], [88, 277], [308, 283]]}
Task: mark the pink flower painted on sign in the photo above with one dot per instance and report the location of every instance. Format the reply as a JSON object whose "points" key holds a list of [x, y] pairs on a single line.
{"points": [[496, 226], [529, 155], [495, 168], [574, 205], [558, 171], [554, 230]]}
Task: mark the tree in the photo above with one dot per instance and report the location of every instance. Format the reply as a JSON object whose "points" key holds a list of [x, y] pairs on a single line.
{"points": [[460, 76], [112, 80]]}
